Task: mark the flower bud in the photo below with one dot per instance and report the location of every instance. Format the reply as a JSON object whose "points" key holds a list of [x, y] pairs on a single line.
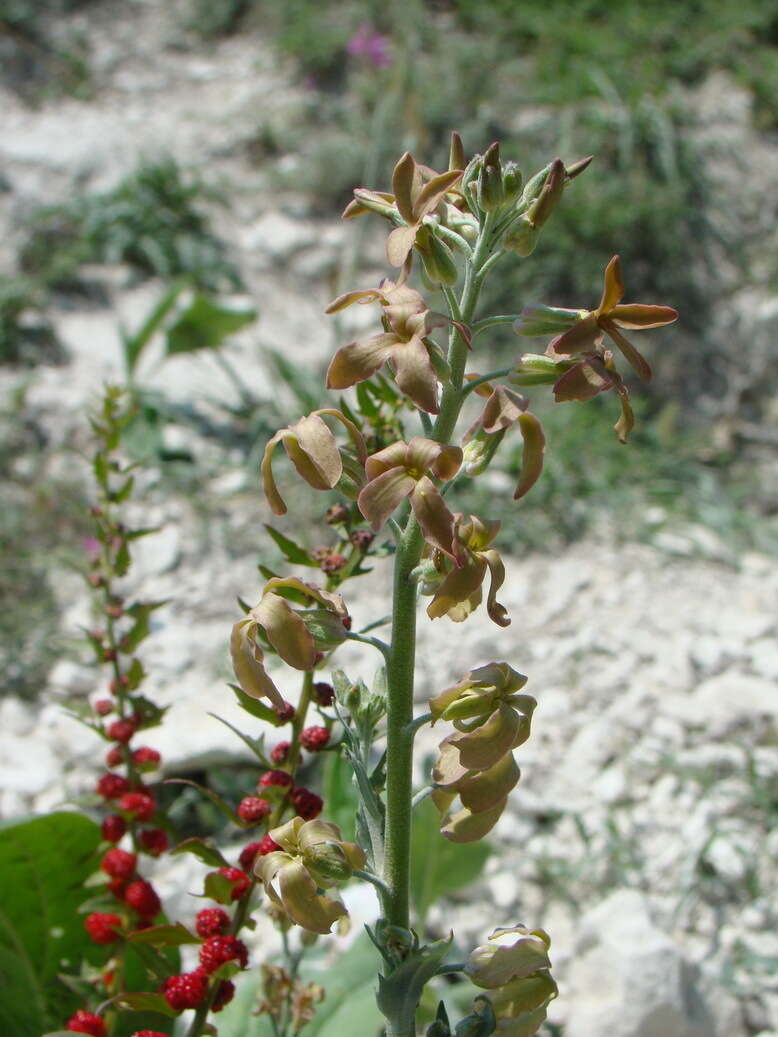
{"points": [[536, 369], [490, 190], [522, 238], [436, 258], [511, 181]]}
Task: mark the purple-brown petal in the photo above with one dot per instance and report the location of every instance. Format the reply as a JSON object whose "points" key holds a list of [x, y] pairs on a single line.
{"points": [[286, 632], [583, 381], [635, 315], [393, 456], [364, 295], [582, 336], [613, 288], [382, 495], [434, 517], [496, 612], [415, 375], [636, 360], [460, 592], [406, 184], [433, 193], [399, 245], [359, 360], [532, 454]]}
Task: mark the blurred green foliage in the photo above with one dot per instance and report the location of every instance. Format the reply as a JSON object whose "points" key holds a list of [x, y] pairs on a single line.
{"points": [[152, 220], [26, 336]]}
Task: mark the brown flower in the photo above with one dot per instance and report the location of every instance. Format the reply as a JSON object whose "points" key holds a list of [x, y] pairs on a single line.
{"points": [[399, 471], [503, 409], [407, 322], [460, 591]]}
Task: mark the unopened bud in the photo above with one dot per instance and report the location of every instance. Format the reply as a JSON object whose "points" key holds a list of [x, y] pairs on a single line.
{"points": [[511, 181], [490, 191], [336, 515], [456, 156], [437, 260], [522, 238], [536, 369]]}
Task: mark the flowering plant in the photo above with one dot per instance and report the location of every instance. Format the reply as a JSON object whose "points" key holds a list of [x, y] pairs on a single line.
{"points": [[392, 455]]}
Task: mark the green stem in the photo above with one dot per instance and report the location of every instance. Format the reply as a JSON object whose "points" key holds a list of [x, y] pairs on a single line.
{"points": [[402, 653], [467, 389]]}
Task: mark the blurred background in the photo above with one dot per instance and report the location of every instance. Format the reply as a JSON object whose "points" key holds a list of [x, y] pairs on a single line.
{"points": [[170, 191]]}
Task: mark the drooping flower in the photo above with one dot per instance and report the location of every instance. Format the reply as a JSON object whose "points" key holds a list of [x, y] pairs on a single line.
{"points": [[313, 450], [515, 968], [312, 857], [503, 409], [297, 635], [407, 322], [476, 764], [399, 471], [459, 592]]}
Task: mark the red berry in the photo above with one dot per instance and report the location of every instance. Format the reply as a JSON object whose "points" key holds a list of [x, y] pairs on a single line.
{"points": [[86, 1022], [113, 828], [185, 991], [154, 841], [139, 805], [103, 707], [332, 562], [111, 786], [113, 687], [117, 887], [361, 538], [142, 898], [279, 753], [119, 864], [149, 1033], [307, 804], [285, 712], [314, 738], [109, 655], [248, 855], [280, 778], [146, 759], [212, 921], [253, 809], [239, 879], [267, 845], [114, 756], [102, 927], [217, 950], [225, 992], [323, 693], [121, 730]]}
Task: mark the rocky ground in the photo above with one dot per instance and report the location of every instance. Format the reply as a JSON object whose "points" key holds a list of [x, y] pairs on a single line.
{"points": [[642, 835]]}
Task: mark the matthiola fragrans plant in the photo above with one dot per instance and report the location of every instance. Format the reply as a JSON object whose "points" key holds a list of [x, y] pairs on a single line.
{"points": [[388, 456], [396, 469]]}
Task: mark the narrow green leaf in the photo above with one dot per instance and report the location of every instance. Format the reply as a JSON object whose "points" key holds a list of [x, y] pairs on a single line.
{"points": [[209, 794], [291, 551], [204, 852], [256, 708], [171, 935], [205, 324], [143, 1002]]}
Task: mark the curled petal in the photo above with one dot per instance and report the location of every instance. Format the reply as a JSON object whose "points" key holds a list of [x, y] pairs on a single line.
{"points": [[364, 201], [286, 632], [496, 612], [626, 422], [302, 901], [448, 772], [432, 514], [379, 498], [467, 827], [393, 456], [481, 748], [613, 288], [532, 455], [637, 315], [355, 435], [582, 337], [267, 868], [274, 498], [494, 965], [359, 360], [247, 662], [637, 361], [485, 789], [448, 462], [460, 592], [363, 296], [415, 374], [314, 453]]}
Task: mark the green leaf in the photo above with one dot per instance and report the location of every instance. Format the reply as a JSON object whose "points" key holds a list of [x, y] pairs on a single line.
{"points": [[203, 851], [145, 1002], [439, 867], [255, 745], [133, 345], [43, 864], [291, 551], [256, 708], [171, 935], [217, 801], [218, 887], [205, 324]]}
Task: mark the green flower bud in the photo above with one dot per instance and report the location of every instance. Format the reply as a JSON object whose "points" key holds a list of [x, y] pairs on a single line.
{"points": [[522, 237], [437, 259], [511, 181], [536, 369]]}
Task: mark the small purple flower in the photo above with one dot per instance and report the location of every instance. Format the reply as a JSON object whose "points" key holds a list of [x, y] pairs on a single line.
{"points": [[370, 45], [91, 547]]}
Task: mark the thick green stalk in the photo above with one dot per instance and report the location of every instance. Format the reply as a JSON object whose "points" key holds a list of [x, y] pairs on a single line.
{"points": [[402, 654]]}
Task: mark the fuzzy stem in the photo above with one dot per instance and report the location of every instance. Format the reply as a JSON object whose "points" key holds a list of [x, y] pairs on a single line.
{"points": [[402, 653]]}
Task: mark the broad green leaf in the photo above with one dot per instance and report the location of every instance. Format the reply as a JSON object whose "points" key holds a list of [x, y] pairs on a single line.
{"points": [[205, 325], [43, 864], [133, 345], [439, 867]]}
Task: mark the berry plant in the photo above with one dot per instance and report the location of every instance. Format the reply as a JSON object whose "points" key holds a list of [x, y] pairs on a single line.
{"points": [[390, 454]]}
